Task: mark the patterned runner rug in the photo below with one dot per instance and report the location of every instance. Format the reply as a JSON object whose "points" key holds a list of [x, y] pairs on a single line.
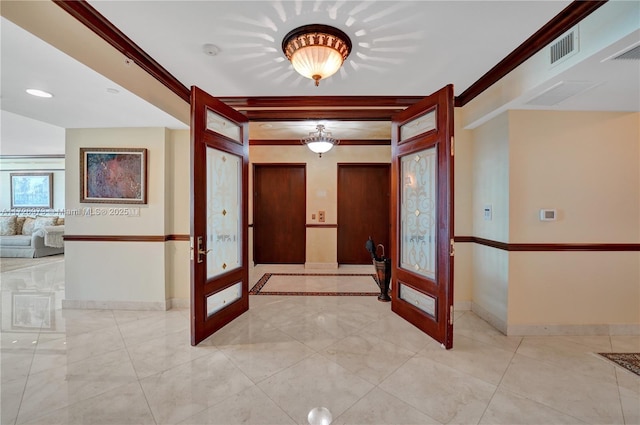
{"points": [[314, 284], [629, 361]]}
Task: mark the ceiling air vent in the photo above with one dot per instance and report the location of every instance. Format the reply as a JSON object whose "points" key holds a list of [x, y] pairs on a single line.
{"points": [[631, 54], [564, 47]]}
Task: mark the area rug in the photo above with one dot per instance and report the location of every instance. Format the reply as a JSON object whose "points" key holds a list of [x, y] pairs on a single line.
{"points": [[11, 264], [629, 361], [259, 287]]}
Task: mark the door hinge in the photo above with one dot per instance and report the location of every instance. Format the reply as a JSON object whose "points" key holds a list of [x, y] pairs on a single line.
{"points": [[452, 248], [451, 315], [191, 246], [452, 145]]}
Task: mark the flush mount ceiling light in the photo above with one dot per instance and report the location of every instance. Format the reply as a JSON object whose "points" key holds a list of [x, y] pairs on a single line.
{"points": [[320, 141], [316, 51], [39, 93]]}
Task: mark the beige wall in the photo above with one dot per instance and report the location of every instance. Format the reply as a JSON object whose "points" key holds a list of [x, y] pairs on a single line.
{"points": [[490, 187], [116, 274], [178, 210], [586, 165]]}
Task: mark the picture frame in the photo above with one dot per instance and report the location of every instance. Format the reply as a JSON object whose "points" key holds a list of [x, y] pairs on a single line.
{"points": [[31, 190], [113, 175]]}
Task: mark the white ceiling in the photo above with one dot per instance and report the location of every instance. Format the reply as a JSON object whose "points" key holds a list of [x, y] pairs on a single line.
{"points": [[400, 48]]}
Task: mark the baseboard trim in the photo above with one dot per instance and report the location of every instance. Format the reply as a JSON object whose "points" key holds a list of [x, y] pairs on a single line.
{"points": [[582, 330], [115, 305], [490, 318], [181, 303], [462, 306], [325, 266]]}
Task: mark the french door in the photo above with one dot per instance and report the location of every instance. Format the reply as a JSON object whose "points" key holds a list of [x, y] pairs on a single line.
{"points": [[422, 215], [219, 177]]}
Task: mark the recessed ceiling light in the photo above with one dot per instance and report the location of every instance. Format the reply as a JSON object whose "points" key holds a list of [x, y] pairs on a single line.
{"points": [[39, 93], [266, 125]]}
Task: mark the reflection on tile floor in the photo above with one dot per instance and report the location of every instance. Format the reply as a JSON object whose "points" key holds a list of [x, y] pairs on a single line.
{"points": [[286, 356]]}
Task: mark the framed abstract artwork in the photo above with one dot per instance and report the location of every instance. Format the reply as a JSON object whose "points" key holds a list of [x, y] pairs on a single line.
{"points": [[113, 175], [31, 190]]}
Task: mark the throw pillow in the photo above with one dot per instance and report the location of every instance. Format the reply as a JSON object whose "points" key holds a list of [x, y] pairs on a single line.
{"points": [[8, 225], [27, 226], [44, 221], [60, 221], [19, 224]]}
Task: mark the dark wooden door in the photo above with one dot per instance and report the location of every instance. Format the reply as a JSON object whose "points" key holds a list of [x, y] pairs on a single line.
{"points": [[279, 214], [219, 214], [422, 215], [363, 210]]}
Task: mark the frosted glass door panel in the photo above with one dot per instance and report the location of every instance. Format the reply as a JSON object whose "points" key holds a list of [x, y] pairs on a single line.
{"points": [[418, 213], [224, 212], [422, 124], [419, 300], [223, 126], [222, 299]]}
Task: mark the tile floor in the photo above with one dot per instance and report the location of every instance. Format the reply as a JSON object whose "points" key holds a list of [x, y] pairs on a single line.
{"points": [[286, 356]]}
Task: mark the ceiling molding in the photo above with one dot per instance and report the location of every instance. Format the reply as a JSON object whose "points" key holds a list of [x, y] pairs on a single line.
{"points": [[561, 23], [321, 114], [567, 18], [343, 142], [91, 18]]}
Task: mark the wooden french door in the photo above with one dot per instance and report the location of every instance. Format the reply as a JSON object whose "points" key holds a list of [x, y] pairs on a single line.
{"points": [[219, 177], [279, 213], [422, 215], [363, 210]]}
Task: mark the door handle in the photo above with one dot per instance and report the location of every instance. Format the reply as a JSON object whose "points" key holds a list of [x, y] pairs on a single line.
{"points": [[201, 250]]}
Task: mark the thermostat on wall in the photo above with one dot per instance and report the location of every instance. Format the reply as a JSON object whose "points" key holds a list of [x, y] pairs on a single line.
{"points": [[548, 215]]}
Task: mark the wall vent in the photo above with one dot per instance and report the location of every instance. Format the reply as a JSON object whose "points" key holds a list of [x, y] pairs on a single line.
{"points": [[631, 54], [564, 47]]}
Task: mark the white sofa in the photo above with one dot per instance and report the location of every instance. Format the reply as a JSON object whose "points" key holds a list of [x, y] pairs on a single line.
{"points": [[40, 239]]}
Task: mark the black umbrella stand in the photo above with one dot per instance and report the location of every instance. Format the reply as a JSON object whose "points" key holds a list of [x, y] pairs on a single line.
{"points": [[382, 266]]}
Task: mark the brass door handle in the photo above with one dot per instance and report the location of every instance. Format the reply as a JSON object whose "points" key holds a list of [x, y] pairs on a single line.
{"points": [[201, 251]]}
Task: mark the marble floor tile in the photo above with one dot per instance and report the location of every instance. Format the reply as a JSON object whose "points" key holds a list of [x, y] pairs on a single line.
{"points": [[179, 393], [381, 408], [290, 354], [165, 352], [591, 399], [314, 382], [440, 391], [125, 405], [75, 322], [250, 407], [625, 344], [575, 354], [10, 399], [367, 356], [142, 330], [472, 326], [54, 388], [261, 360], [507, 409], [471, 356], [394, 329]]}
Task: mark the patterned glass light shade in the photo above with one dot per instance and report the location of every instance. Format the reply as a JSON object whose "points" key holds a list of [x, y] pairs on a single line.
{"points": [[319, 146], [316, 62], [320, 141], [316, 51]]}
